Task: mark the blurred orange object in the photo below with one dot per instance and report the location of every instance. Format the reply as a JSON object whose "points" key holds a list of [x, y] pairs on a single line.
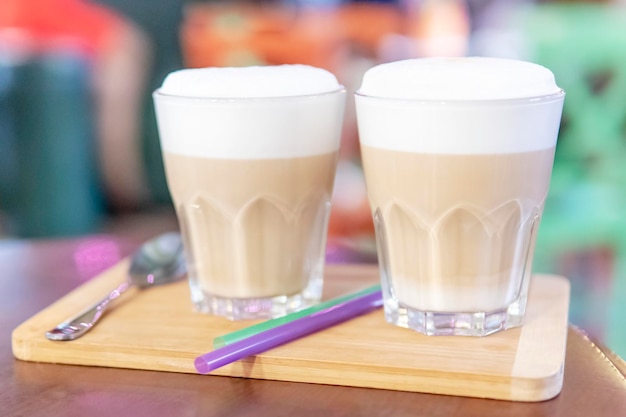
{"points": [[236, 35], [226, 35], [48, 23]]}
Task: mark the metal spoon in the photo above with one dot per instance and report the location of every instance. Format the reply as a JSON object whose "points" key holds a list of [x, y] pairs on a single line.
{"points": [[158, 261]]}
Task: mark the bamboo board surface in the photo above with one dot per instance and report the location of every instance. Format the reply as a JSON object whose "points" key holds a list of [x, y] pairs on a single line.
{"points": [[157, 329]]}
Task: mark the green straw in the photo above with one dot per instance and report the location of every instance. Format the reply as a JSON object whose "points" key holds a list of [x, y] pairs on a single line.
{"points": [[232, 337]]}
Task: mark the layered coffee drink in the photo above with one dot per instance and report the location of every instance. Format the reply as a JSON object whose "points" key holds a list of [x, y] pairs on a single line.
{"points": [[266, 221], [250, 157], [457, 155], [469, 240]]}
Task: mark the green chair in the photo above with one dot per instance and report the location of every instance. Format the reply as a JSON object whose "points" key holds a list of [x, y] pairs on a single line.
{"points": [[583, 231]]}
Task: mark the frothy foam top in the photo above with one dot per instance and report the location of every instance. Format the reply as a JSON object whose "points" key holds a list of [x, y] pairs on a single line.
{"points": [[250, 113], [459, 106], [250, 82], [470, 78]]}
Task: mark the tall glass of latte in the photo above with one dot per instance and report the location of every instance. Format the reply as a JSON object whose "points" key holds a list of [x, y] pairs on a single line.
{"points": [[250, 156], [457, 154]]}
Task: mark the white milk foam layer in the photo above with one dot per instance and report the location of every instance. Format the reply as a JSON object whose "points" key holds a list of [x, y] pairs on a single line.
{"points": [[471, 78], [459, 106], [247, 82], [251, 112]]}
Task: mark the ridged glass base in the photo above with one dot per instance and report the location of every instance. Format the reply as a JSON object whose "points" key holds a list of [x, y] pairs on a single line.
{"points": [[455, 324], [256, 308]]}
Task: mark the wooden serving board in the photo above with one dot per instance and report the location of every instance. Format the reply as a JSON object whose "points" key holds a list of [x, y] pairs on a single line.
{"points": [[158, 330]]}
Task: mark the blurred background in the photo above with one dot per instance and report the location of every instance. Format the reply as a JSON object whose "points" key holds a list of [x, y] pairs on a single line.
{"points": [[79, 150]]}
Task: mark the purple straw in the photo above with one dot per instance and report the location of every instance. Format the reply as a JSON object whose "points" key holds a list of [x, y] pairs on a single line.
{"points": [[287, 332]]}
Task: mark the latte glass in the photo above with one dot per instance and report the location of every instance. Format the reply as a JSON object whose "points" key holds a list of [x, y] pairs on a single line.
{"points": [[457, 173], [251, 178]]}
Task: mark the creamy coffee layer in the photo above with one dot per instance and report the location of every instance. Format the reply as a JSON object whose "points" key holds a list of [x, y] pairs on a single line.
{"points": [[459, 106], [252, 112], [458, 228], [256, 227]]}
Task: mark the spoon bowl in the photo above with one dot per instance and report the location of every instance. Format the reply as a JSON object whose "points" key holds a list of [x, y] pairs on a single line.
{"points": [[158, 261]]}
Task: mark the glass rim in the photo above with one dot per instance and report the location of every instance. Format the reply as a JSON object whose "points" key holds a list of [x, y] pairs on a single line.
{"points": [[160, 94], [547, 98]]}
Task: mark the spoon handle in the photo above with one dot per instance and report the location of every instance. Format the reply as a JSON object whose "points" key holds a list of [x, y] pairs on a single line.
{"points": [[74, 328]]}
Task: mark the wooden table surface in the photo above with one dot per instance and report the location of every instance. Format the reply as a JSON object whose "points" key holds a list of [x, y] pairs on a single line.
{"points": [[33, 274]]}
